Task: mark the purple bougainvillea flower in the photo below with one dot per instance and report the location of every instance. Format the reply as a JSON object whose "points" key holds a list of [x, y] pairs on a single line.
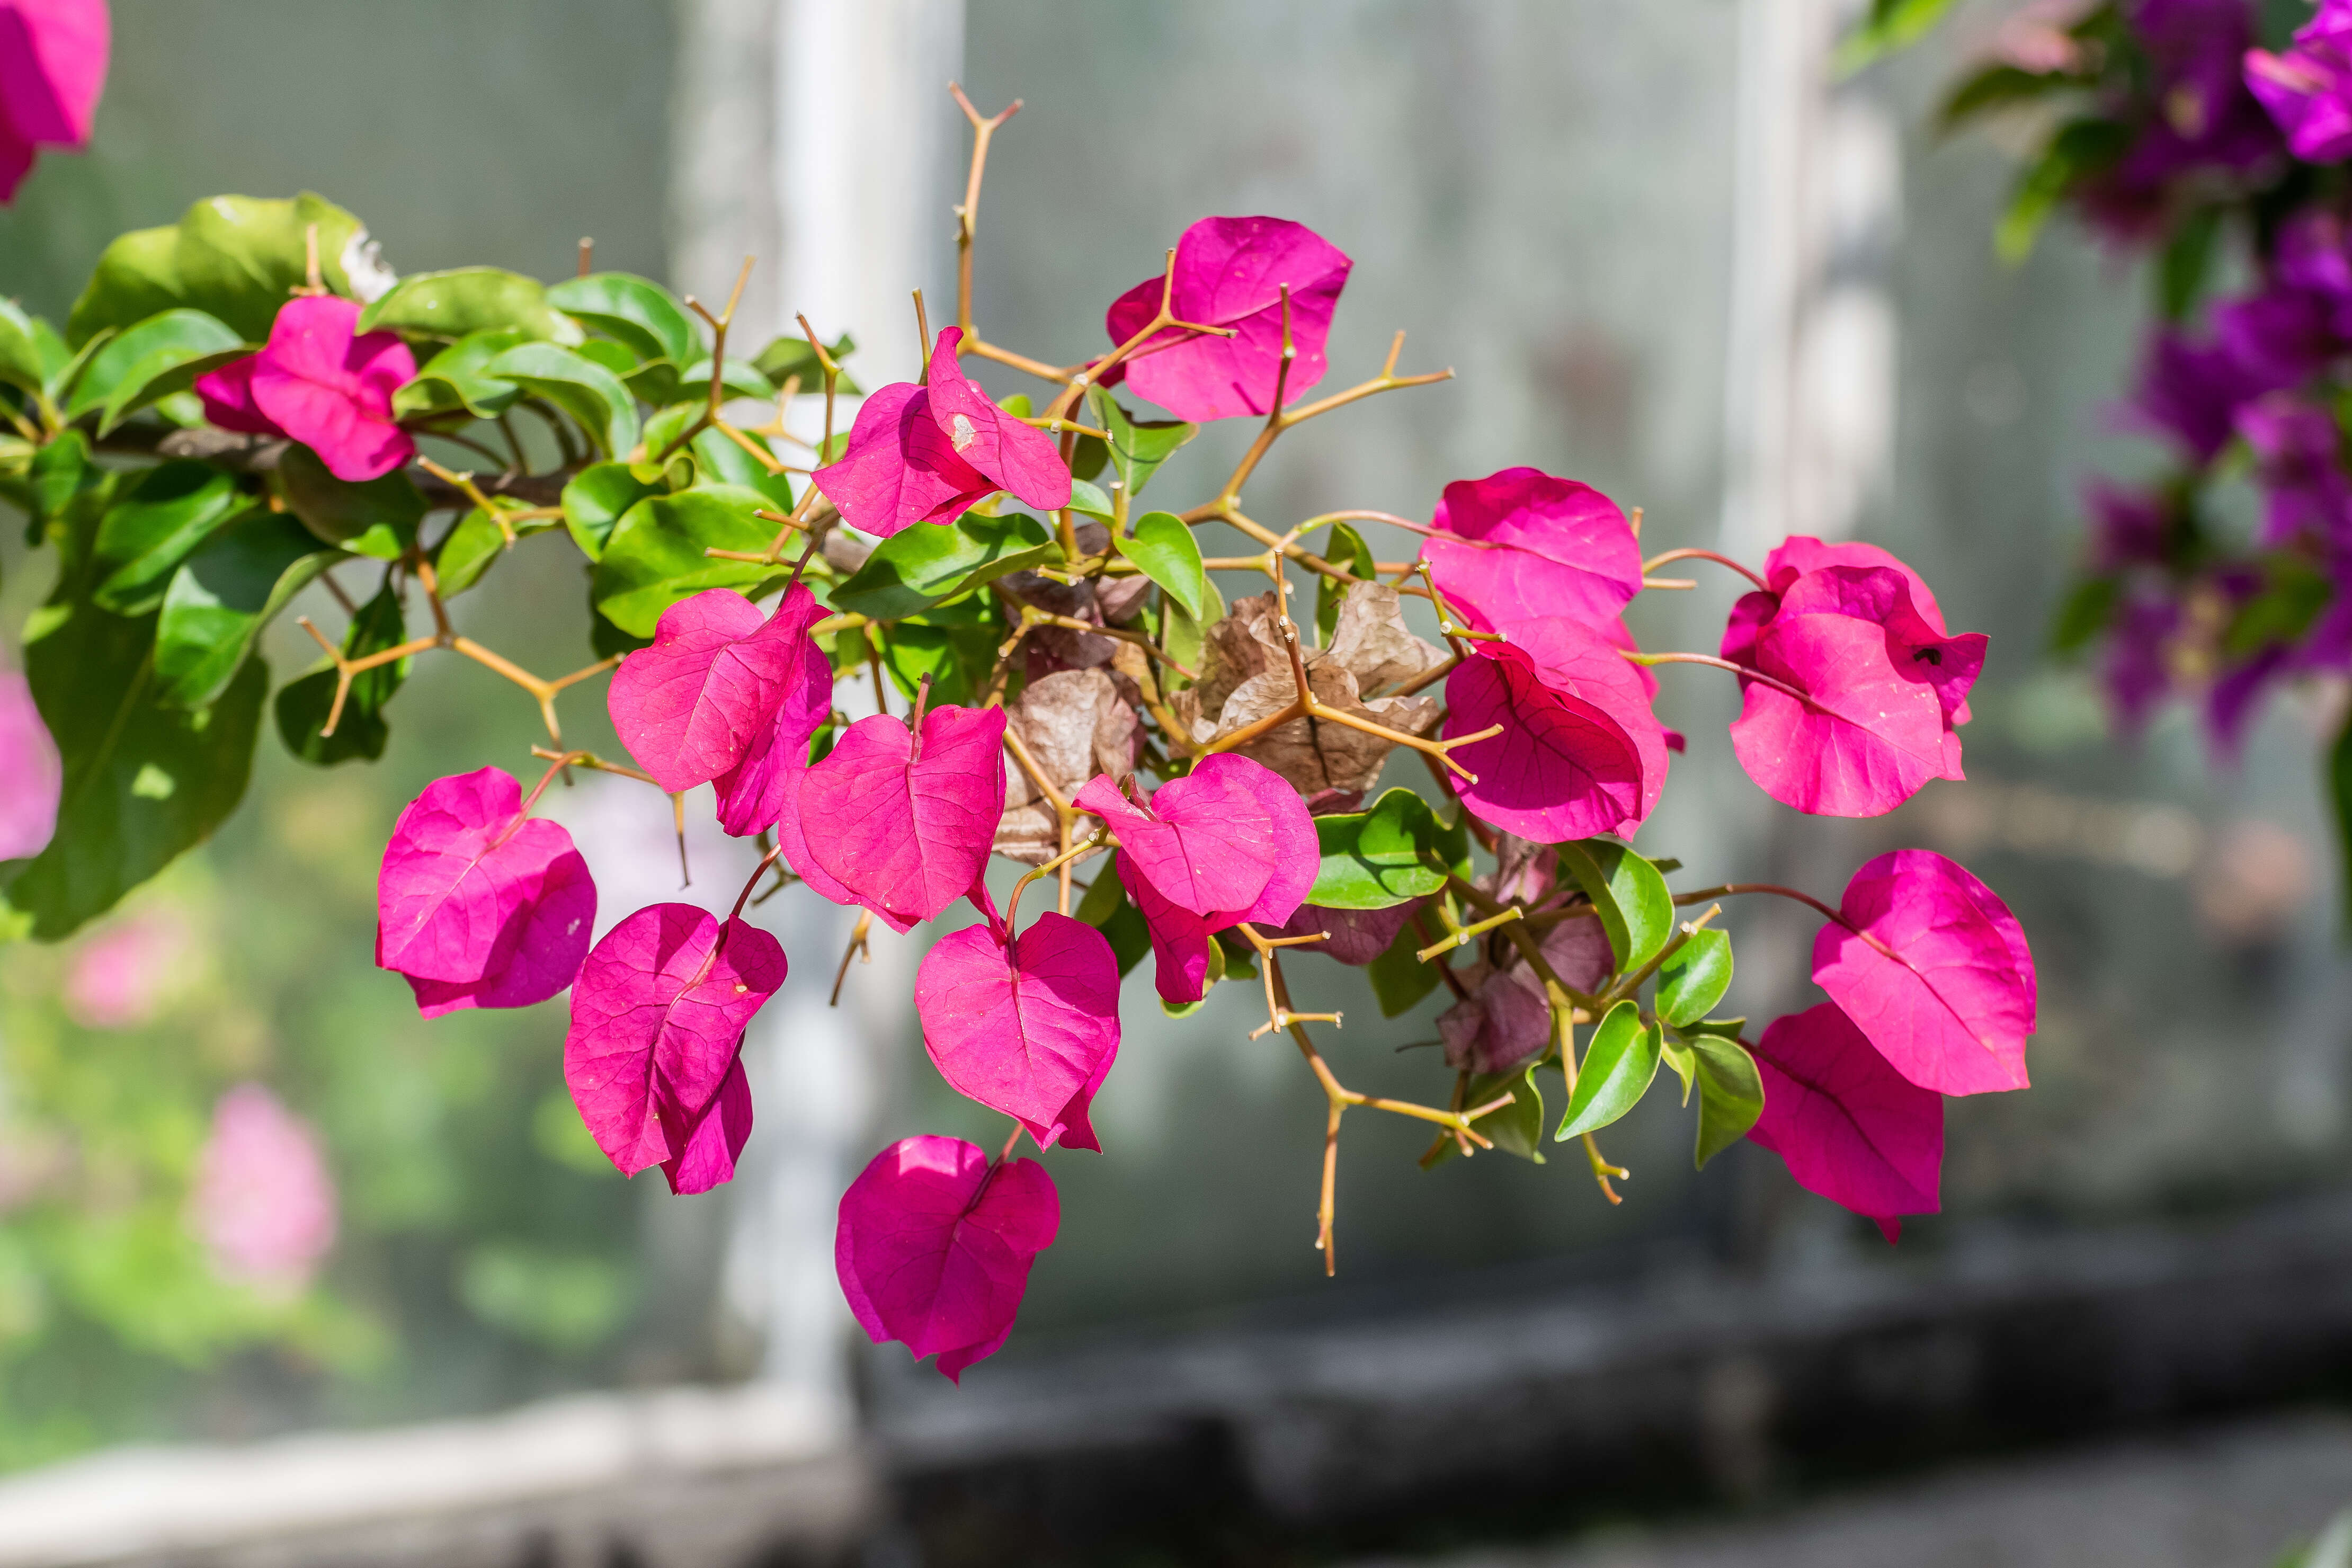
{"points": [[1520, 543], [316, 382], [1352, 936], [1028, 1027], [1229, 272], [716, 1139], [2136, 667], [32, 774], [1849, 1127], [53, 56], [726, 693], [2313, 255], [2299, 456], [903, 827], [657, 1019], [1573, 658], [2190, 392], [1562, 768], [1930, 964], [1017, 457], [2308, 90], [477, 904], [1882, 692], [934, 1246], [2129, 527], [263, 1203]]}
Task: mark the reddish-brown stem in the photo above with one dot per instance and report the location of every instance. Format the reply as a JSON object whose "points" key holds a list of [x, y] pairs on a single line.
{"points": [[770, 858], [1673, 555], [1744, 671]]}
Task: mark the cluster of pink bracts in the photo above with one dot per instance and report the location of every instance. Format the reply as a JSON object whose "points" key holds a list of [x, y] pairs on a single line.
{"points": [[1853, 690]]}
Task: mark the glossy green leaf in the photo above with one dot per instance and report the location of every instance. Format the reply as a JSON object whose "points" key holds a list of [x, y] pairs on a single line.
{"points": [[1400, 980], [581, 387], [655, 555], [1181, 634], [1089, 501], [467, 299], [1695, 977], [666, 426], [234, 258], [1162, 544], [67, 376], [1683, 1061], [1518, 1128], [1636, 909], [1380, 856], [637, 311], [1347, 548], [1730, 1093], [1107, 908], [789, 357], [223, 596], [20, 351], [1136, 450], [920, 567], [469, 550], [59, 471], [378, 518], [1619, 1066], [654, 381], [954, 644], [156, 524], [617, 358], [722, 462], [304, 704], [595, 498], [736, 378], [458, 377], [164, 353], [135, 278]]}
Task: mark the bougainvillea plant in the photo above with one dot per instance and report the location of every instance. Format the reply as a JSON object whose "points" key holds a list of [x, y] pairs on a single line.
{"points": [[246, 404]]}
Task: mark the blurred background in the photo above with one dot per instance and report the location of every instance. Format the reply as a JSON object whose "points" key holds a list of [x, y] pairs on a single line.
{"points": [[1666, 253]]}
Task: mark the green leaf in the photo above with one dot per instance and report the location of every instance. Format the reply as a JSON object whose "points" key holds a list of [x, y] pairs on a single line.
{"points": [[787, 357], [378, 518], [2186, 266], [653, 382], [1999, 87], [633, 310], [955, 644], [1089, 499], [1518, 1128], [581, 387], [58, 472], [921, 566], [736, 378], [468, 299], [144, 781], [222, 596], [1685, 1062], [2083, 614], [1619, 1065], [595, 498], [67, 376], [1400, 979], [1891, 25], [1136, 450], [1380, 856], [1636, 909], [468, 552], [458, 377], [233, 258], [1694, 979], [135, 278], [722, 462], [655, 555], [1347, 549], [1162, 544], [20, 351], [1730, 1094], [162, 354], [1181, 636], [304, 704], [155, 525], [1106, 908], [2079, 149]]}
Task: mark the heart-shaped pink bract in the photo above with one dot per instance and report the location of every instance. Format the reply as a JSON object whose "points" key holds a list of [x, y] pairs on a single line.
{"points": [[905, 828], [1019, 458], [53, 56], [657, 1017], [1229, 272], [1930, 964], [1883, 691], [1029, 1028], [723, 692], [1521, 543], [1849, 1127], [1562, 768], [466, 882], [716, 1139], [32, 774], [899, 468], [318, 383], [934, 1247], [1575, 660]]}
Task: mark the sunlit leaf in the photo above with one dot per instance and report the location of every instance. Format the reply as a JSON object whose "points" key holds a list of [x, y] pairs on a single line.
{"points": [[1619, 1065], [1162, 544]]}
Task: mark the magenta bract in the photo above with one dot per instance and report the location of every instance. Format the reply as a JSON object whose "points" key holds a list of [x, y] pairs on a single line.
{"points": [[1930, 964], [32, 774], [1229, 272], [934, 1247], [1849, 1127], [2308, 90], [1573, 659], [1017, 457], [900, 469], [657, 1017], [1029, 1028], [1562, 768], [1520, 544], [318, 383], [466, 879], [53, 56], [902, 827], [716, 1139], [724, 689]]}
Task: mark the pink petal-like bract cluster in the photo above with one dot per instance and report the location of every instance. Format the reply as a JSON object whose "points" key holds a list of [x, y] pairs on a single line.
{"points": [[1884, 687], [477, 905], [118, 978], [53, 56], [727, 696], [1522, 545], [1849, 1127], [1228, 842], [32, 773], [1562, 768], [1933, 968], [1027, 1025], [934, 1246], [263, 1204], [317, 383], [899, 823], [1229, 272], [653, 1054], [926, 452]]}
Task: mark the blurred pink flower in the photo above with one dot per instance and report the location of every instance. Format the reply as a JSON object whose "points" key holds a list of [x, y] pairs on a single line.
{"points": [[319, 382], [117, 978], [264, 1205], [32, 776], [52, 69]]}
